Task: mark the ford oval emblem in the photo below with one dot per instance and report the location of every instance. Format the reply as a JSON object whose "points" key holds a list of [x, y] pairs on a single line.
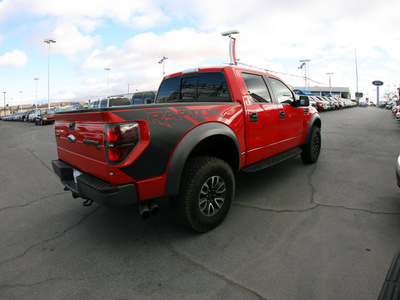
{"points": [[377, 83], [71, 138]]}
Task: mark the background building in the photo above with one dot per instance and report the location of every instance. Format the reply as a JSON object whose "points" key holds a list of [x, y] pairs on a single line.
{"points": [[342, 92]]}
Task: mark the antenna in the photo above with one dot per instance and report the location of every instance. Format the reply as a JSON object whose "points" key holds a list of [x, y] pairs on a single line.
{"points": [[231, 45]]}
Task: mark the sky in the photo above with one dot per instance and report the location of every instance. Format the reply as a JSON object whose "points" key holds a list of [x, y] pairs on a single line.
{"points": [[353, 39]]}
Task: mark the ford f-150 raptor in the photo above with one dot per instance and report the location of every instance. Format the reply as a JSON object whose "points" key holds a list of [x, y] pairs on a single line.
{"points": [[206, 125]]}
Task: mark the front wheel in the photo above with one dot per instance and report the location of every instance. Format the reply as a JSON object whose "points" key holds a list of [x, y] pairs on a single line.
{"points": [[206, 193], [312, 149]]}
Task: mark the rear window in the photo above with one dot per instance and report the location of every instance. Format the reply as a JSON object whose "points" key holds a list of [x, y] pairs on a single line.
{"points": [[199, 87]]}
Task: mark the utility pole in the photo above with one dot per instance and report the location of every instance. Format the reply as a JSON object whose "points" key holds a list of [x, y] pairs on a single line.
{"points": [[330, 85], [49, 42], [107, 69], [36, 79]]}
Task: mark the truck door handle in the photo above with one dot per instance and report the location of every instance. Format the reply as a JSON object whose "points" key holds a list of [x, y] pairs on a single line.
{"points": [[282, 114], [253, 117]]}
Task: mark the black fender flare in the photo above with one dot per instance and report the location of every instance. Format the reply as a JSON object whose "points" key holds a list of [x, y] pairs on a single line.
{"points": [[185, 147], [315, 120]]}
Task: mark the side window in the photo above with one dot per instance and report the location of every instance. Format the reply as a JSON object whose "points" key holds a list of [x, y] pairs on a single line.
{"points": [[147, 96], [282, 92], [103, 103], [256, 88], [212, 87], [169, 90], [138, 98]]}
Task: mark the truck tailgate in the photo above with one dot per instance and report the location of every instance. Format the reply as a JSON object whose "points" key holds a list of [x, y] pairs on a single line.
{"points": [[79, 138]]}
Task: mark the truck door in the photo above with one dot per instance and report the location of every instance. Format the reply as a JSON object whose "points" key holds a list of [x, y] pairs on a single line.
{"points": [[290, 116], [261, 119]]}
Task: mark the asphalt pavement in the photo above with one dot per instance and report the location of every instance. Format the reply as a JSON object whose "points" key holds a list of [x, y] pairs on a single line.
{"points": [[295, 231]]}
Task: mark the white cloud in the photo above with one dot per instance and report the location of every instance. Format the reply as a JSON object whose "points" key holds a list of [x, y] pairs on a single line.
{"points": [[70, 41], [14, 59], [89, 13], [184, 47]]}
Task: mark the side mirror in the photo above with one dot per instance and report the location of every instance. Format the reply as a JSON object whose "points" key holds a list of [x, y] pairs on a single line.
{"points": [[304, 101]]}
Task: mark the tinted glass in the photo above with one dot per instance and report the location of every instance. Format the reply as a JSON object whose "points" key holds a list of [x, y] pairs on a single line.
{"points": [[119, 102], [282, 92], [138, 98], [202, 87], [169, 90], [188, 89], [149, 95], [103, 103], [256, 87], [212, 87]]}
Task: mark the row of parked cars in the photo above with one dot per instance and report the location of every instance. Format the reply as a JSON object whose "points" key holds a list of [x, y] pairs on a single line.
{"points": [[46, 116], [323, 103], [396, 111], [38, 116]]}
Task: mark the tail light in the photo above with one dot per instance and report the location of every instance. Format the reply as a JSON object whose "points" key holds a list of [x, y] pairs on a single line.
{"points": [[120, 140]]}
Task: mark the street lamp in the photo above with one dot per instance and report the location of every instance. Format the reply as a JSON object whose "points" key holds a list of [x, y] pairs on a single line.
{"points": [[48, 41], [21, 99], [4, 103], [107, 69], [304, 63], [232, 43], [36, 79], [162, 61], [330, 86]]}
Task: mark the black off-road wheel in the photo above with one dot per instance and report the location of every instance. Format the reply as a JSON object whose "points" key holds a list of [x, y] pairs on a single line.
{"points": [[312, 149], [206, 193]]}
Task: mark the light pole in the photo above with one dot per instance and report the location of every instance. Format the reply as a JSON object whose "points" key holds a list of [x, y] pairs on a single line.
{"points": [[107, 69], [163, 59], [21, 99], [48, 41], [36, 79], [4, 103], [305, 61], [330, 86]]}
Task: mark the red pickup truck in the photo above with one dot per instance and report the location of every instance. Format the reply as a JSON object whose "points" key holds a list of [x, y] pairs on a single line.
{"points": [[206, 125]]}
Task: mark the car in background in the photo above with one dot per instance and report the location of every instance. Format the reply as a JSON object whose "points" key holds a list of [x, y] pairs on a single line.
{"points": [[322, 105], [362, 103], [328, 102], [31, 116], [109, 102], [44, 116], [145, 97], [67, 108]]}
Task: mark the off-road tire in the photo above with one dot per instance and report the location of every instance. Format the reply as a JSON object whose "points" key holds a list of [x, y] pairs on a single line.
{"points": [[312, 149], [206, 193]]}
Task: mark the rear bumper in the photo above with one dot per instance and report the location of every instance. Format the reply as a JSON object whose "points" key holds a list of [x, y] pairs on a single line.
{"points": [[89, 187]]}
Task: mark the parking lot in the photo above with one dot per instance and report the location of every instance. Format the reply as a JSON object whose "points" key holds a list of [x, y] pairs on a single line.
{"points": [[295, 231]]}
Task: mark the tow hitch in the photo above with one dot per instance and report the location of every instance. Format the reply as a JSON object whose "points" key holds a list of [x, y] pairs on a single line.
{"points": [[87, 202]]}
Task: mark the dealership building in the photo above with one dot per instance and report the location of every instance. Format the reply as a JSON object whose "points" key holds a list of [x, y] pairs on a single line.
{"points": [[342, 92]]}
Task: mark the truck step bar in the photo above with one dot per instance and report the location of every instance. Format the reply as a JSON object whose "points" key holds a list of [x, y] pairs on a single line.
{"points": [[266, 163]]}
